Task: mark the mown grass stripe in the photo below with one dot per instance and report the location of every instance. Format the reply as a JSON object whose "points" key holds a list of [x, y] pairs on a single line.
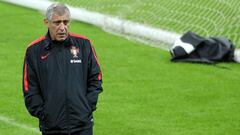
{"points": [[12, 122]]}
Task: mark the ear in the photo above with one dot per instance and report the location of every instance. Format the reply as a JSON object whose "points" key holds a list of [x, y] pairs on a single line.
{"points": [[46, 22]]}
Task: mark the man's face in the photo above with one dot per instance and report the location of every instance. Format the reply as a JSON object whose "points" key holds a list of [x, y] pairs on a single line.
{"points": [[58, 26]]}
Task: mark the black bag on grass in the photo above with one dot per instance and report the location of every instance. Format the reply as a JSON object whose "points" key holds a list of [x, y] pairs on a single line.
{"points": [[194, 48]]}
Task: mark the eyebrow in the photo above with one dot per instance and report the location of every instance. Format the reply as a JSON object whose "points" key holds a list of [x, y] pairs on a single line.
{"points": [[57, 22], [60, 20]]}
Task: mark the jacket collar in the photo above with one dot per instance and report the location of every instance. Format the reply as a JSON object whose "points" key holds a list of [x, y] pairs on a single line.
{"points": [[51, 43]]}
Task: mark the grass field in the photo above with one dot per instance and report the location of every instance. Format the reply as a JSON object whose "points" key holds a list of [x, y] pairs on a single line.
{"points": [[144, 93], [205, 17]]}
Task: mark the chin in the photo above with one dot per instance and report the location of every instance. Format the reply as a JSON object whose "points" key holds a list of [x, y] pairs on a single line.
{"points": [[61, 39]]}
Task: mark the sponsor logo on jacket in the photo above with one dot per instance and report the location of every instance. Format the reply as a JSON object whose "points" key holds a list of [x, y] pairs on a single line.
{"points": [[75, 61]]}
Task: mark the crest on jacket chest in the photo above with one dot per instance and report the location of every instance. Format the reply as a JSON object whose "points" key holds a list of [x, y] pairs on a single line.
{"points": [[74, 51]]}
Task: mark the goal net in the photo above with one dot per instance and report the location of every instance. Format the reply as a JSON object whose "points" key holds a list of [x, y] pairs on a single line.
{"points": [[205, 17]]}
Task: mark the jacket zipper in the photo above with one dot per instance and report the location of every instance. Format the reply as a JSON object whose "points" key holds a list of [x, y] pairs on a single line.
{"points": [[66, 92], [62, 64], [67, 110]]}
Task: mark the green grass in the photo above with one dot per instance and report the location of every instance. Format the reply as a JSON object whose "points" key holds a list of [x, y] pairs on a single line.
{"points": [[205, 17], [144, 93]]}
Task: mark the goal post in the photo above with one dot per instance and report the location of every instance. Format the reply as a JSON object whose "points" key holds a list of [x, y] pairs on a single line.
{"points": [[155, 22], [204, 17], [147, 34]]}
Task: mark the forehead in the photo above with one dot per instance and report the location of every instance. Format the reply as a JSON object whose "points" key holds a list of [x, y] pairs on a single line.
{"points": [[56, 16]]}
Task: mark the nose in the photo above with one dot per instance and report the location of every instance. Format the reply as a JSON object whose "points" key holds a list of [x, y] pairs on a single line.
{"points": [[61, 26]]}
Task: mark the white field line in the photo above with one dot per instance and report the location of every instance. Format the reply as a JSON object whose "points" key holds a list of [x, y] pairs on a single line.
{"points": [[109, 23], [12, 122]]}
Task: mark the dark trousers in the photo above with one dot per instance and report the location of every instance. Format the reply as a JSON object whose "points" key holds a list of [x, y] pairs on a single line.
{"points": [[88, 131]]}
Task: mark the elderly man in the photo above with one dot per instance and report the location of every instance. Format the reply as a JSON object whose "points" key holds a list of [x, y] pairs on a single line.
{"points": [[61, 77]]}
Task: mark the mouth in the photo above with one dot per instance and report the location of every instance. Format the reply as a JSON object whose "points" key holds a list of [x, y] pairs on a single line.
{"points": [[61, 34]]}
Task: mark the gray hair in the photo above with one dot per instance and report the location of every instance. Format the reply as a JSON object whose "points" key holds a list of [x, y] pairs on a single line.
{"points": [[56, 8]]}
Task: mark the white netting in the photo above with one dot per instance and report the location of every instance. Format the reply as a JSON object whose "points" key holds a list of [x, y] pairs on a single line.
{"points": [[205, 17]]}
